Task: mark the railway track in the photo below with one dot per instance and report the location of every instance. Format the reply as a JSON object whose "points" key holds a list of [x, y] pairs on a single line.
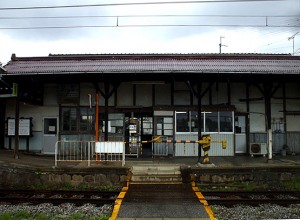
{"points": [[57, 196], [254, 198]]}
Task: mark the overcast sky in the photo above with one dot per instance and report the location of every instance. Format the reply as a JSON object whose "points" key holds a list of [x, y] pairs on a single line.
{"points": [[245, 27]]}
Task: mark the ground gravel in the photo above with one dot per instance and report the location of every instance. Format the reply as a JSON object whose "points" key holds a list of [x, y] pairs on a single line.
{"points": [[59, 211], [263, 211]]}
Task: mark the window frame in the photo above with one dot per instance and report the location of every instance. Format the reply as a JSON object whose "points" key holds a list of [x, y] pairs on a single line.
{"points": [[203, 122]]}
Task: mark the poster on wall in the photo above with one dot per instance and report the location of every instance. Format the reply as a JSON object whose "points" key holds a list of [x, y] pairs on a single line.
{"points": [[24, 127]]}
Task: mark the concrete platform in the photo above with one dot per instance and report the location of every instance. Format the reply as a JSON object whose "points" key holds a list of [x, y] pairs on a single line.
{"points": [[46, 161], [156, 201]]}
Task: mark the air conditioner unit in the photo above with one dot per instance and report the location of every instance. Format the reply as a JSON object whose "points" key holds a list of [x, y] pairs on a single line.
{"points": [[258, 149]]}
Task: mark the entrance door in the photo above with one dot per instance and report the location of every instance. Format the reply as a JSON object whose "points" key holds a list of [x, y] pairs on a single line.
{"points": [[50, 136], [147, 135], [240, 134]]}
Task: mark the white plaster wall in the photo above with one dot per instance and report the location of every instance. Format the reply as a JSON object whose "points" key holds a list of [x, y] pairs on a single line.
{"points": [[37, 113], [293, 123]]}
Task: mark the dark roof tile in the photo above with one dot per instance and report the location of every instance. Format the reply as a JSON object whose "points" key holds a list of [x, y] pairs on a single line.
{"points": [[54, 64]]}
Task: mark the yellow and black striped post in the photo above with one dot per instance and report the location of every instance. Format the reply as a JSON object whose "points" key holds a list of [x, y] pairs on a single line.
{"points": [[204, 142]]}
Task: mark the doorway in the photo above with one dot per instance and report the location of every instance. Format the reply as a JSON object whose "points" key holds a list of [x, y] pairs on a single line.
{"points": [[143, 133], [50, 136], [240, 134]]}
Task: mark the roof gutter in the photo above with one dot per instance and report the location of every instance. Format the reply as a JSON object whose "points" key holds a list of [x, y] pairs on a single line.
{"points": [[6, 74]]}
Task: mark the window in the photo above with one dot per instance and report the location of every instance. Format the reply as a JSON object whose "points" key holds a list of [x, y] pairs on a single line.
{"points": [[164, 126], [69, 122], [210, 121], [182, 122], [87, 119], [194, 122], [187, 121], [116, 122], [77, 119], [226, 122]]}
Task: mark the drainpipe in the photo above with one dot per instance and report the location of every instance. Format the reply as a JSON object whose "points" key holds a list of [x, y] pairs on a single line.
{"points": [[267, 89], [199, 88]]}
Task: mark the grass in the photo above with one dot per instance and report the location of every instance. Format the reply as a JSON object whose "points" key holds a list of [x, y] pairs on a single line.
{"points": [[22, 215], [291, 185]]}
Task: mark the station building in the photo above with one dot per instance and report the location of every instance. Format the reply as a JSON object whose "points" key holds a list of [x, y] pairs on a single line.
{"points": [[250, 100]]}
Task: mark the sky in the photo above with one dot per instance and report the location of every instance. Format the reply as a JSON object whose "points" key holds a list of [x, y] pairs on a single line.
{"points": [[148, 26]]}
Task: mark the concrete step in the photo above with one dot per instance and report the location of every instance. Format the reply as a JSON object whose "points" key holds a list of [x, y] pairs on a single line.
{"points": [[156, 178], [156, 173], [155, 167]]}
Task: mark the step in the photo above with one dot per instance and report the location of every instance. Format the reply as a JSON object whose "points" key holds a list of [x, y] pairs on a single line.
{"points": [[156, 178], [156, 173], [151, 167]]}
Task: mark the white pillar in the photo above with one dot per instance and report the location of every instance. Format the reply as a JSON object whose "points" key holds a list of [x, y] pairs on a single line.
{"points": [[270, 144]]}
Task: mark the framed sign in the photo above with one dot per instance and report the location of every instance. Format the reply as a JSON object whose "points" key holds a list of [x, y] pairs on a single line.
{"points": [[24, 127], [50, 126]]}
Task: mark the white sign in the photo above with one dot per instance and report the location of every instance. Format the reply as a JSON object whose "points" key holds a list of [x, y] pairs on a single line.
{"points": [[24, 127]]}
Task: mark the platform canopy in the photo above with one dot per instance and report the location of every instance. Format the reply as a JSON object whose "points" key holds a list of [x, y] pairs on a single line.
{"points": [[143, 65], [151, 68]]}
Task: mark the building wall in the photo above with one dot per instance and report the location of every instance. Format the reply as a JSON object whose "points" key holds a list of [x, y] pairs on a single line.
{"points": [[143, 96]]}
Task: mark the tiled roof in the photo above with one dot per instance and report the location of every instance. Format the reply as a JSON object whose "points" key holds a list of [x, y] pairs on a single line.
{"points": [[171, 63]]}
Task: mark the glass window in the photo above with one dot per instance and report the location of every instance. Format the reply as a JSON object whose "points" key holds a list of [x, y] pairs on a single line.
{"points": [[87, 119], [211, 122], [116, 123], [194, 122], [69, 119], [226, 122], [182, 122]]}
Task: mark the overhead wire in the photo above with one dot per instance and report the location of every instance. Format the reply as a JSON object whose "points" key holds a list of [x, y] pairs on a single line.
{"points": [[158, 15], [146, 25], [269, 29], [133, 3]]}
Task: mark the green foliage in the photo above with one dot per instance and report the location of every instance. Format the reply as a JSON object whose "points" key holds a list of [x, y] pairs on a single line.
{"points": [[291, 185]]}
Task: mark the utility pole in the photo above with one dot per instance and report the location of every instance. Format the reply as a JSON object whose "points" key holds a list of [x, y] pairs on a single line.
{"points": [[221, 45], [293, 38]]}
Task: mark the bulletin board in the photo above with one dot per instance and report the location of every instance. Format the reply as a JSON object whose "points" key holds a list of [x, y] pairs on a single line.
{"points": [[24, 127]]}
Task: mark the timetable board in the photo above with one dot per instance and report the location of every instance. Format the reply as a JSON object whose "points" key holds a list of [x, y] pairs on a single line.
{"points": [[24, 127]]}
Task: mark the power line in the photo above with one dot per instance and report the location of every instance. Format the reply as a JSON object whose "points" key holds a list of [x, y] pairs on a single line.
{"points": [[137, 16], [133, 3], [149, 25]]}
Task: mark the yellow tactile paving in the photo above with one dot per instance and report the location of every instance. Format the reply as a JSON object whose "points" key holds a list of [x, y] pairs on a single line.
{"points": [[203, 202]]}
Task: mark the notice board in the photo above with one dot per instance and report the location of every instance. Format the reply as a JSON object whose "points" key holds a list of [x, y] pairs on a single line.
{"points": [[24, 127]]}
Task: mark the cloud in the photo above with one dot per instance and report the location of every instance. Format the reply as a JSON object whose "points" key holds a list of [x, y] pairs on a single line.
{"points": [[41, 42]]}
